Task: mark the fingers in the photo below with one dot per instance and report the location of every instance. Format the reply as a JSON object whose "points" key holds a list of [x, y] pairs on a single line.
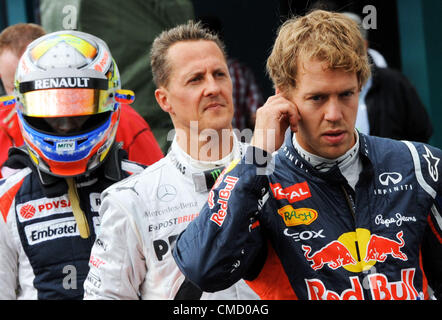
{"points": [[272, 120]]}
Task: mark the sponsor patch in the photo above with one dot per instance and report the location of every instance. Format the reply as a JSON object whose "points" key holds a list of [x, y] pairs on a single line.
{"points": [[43, 207], [294, 193], [66, 145], [50, 230], [432, 164], [356, 251], [223, 197], [295, 217], [381, 288]]}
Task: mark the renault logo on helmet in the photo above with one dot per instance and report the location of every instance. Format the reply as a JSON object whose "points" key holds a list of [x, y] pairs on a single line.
{"points": [[387, 177]]}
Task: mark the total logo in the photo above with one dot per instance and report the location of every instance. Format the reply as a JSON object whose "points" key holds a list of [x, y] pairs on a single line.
{"points": [[356, 251], [294, 193]]}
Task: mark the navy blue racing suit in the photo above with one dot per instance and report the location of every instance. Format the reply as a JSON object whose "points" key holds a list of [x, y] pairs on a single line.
{"points": [[298, 233], [42, 253]]}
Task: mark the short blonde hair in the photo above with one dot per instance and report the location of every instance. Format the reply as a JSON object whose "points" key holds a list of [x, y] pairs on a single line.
{"points": [[192, 31], [326, 36]]}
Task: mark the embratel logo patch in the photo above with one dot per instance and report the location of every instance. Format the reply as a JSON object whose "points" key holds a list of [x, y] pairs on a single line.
{"points": [[294, 193], [50, 230], [294, 217]]}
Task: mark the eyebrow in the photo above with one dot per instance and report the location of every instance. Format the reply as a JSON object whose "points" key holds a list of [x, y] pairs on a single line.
{"points": [[194, 73], [321, 93]]}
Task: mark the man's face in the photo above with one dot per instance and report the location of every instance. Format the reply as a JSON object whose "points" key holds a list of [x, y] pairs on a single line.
{"points": [[327, 100], [8, 65], [199, 88]]}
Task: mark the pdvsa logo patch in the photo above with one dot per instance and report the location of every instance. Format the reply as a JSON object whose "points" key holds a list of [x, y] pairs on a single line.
{"points": [[295, 217], [43, 207], [27, 211]]}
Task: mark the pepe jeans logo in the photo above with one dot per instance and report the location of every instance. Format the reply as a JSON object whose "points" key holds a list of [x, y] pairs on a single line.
{"points": [[397, 220], [387, 177]]}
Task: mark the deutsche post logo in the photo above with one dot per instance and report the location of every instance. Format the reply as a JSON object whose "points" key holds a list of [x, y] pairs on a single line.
{"points": [[295, 217]]}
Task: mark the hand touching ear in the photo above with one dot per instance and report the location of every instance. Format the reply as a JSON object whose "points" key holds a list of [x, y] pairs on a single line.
{"points": [[272, 120]]}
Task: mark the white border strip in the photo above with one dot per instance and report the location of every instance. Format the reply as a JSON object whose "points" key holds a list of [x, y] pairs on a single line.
{"points": [[437, 216]]}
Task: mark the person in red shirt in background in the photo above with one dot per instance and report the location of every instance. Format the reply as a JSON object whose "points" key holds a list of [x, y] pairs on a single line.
{"points": [[133, 130]]}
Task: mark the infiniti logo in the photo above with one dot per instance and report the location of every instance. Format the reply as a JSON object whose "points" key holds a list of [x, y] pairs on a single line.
{"points": [[387, 177], [166, 192]]}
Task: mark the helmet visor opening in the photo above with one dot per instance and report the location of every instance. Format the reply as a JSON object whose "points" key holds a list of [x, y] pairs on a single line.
{"points": [[65, 102], [67, 126]]}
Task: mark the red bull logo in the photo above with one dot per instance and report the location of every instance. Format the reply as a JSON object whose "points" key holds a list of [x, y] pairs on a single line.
{"points": [[379, 247], [335, 255], [224, 195], [380, 288], [356, 251]]}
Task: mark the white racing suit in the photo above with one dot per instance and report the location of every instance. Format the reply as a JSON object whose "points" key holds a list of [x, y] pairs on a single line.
{"points": [[141, 218]]}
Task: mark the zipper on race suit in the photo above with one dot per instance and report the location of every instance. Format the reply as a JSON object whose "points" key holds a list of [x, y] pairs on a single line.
{"points": [[351, 205]]}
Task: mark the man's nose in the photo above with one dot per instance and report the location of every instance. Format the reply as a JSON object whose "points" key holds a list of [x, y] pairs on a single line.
{"points": [[212, 86], [333, 111], [65, 125]]}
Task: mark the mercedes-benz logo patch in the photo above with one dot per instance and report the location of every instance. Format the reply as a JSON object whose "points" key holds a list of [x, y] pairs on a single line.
{"points": [[166, 192]]}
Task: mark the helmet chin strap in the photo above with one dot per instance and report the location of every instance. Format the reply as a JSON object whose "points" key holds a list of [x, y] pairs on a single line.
{"points": [[79, 215]]}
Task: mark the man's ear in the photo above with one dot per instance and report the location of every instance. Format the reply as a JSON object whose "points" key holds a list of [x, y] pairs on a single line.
{"points": [[162, 97]]}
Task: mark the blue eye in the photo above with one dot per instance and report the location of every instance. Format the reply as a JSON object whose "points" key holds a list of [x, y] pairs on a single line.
{"points": [[194, 79], [347, 94], [316, 98]]}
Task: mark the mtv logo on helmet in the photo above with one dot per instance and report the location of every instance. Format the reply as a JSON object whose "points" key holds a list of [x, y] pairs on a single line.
{"points": [[65, 145]]}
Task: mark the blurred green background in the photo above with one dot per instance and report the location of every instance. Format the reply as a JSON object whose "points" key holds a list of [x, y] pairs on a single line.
{"points": [[408, 33]]}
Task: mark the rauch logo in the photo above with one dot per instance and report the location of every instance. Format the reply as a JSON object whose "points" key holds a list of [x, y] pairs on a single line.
{"points": [[294, 217]]}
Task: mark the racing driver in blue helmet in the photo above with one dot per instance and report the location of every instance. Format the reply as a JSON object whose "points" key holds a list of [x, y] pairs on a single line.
{"points": [[68, 100]]}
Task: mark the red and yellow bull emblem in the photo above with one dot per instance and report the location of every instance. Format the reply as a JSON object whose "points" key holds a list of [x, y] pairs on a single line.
{"points": [[356, 251]]}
